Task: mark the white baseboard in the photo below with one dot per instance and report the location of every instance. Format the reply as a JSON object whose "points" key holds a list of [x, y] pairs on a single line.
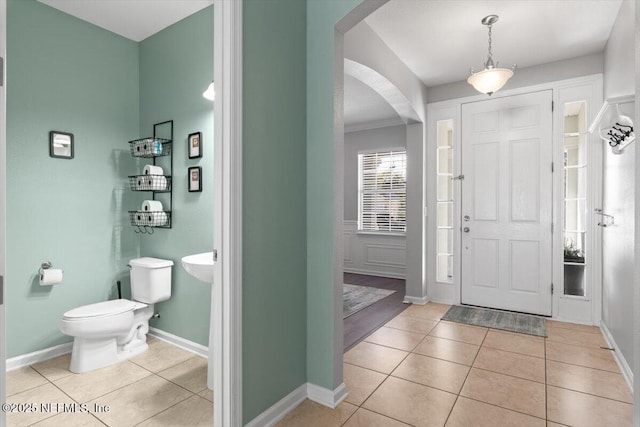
{"points": [[326, 397], [374, 273], [38, 356], [58, 350], [279, 410], [627, 373], [416, 300], [185, 344]]}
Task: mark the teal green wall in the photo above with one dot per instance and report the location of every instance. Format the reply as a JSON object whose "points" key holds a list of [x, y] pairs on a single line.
{"points": [[321, 19], [274, 202], [68, 75], [65, 74], [176, 66]]}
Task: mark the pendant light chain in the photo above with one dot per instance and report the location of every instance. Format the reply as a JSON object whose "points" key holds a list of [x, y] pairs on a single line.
{"points": [[492, 78], [490, 54]]}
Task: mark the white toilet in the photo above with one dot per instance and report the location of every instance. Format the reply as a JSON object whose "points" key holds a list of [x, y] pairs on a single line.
{"points": [[109, 332]]}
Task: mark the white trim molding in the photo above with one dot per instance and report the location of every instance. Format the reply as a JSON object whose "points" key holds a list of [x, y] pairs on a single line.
{"points": [[226, 312], [280, 409], [185, 344], [45, 354], [326, 397], [358, 127], [416, 300], [38, 356], [627, 373], [374, 254], [288, 403]]}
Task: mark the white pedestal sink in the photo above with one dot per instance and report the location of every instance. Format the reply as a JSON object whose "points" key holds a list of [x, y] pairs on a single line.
{"points": [[200, 266]]}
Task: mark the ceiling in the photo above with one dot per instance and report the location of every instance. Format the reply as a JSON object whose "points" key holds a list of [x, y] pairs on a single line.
{"points": [[133, 19], [363, 106], [439, 40]]}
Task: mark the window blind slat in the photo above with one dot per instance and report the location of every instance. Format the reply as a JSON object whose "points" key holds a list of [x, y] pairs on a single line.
{"points": [[383, 191]]}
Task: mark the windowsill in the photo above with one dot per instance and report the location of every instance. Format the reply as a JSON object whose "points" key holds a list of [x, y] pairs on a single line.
{"points": [[380, 233]]}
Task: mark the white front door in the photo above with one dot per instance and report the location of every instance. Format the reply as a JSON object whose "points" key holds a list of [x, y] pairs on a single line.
{"points": [[507, 203]]}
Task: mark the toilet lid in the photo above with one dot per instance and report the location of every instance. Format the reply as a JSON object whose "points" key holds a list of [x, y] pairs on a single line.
{"points": [[105, 308]]}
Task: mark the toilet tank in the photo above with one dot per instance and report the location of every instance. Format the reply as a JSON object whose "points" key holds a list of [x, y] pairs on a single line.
{"points": [[150, 279]]}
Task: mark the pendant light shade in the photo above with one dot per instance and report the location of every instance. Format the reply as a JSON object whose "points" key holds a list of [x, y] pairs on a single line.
{"points": [[210, 93], [492, 78]]}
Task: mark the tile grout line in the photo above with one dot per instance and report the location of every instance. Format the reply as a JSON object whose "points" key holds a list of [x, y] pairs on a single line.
{"points": [[506, 409], [166, 409], [590, 394], [50, 382], [63, 392], [386, 378], [465, 378], [585, 367], [576, 330], [546, 394], [150, 374]]}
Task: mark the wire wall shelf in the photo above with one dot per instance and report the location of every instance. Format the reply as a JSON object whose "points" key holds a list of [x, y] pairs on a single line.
{"points": [[150, 147], [157, 183], [160, 219]]}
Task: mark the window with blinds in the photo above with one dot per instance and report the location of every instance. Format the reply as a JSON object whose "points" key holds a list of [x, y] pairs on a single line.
{"points": [[382, 191]]}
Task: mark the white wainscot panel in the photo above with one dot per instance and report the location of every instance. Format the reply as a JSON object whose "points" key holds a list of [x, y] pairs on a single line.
{"points": [[373, 254]]}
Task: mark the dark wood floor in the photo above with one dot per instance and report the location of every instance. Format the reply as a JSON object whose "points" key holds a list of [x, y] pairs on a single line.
{"points": [[360, 325]]}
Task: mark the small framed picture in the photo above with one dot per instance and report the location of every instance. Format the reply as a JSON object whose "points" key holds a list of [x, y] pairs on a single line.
{"points": [[195, 179], [60, 145], [195, 145]]}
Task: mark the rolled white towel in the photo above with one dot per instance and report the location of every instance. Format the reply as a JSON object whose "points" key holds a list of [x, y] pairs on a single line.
{"points": [[157, 182], [153, 170], [157, 219], [151, 205], [140, 183], [140, 218]]}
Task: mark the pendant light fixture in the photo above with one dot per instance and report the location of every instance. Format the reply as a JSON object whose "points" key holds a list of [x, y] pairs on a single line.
{"points": [[491, 79], [210, 93]]}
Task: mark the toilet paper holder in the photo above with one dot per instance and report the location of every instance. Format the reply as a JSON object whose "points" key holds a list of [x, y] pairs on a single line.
{"points": [[44, 266]]}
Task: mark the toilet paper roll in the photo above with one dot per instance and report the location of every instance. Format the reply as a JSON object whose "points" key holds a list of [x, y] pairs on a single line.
{"points": [[50, 276], [151, 205], [157, 219], [140, 218], [156, 182], [153, 170]]}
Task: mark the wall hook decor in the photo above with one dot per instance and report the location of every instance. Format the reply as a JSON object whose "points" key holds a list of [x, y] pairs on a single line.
{"points": [[620, 133]]}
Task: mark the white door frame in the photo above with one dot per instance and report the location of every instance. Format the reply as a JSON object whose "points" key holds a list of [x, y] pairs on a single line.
{"points": [[226, 313], [450, 292], [226, 295], [3, 200]]}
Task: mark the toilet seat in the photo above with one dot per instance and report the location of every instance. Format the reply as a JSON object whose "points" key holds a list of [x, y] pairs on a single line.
{"points": [[102, 309]]}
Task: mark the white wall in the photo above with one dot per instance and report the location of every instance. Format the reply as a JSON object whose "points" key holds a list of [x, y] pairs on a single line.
{"points": [[619, 59], [364, 46], [367, 253], [529, 76], [619, 171]]}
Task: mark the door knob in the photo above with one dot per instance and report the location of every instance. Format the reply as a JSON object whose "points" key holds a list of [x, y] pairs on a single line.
{"points": [[466, 218], [466, 229]]}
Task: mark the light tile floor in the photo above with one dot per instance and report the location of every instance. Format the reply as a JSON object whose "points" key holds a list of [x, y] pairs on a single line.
{"points": [[420, 371], [165, 386]]}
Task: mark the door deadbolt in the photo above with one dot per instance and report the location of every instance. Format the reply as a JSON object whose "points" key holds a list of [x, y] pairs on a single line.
{"points": [[466, 229], [466, 218]]}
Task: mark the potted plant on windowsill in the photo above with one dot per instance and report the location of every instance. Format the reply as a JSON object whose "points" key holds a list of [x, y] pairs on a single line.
{"points": [[573, 270]]}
